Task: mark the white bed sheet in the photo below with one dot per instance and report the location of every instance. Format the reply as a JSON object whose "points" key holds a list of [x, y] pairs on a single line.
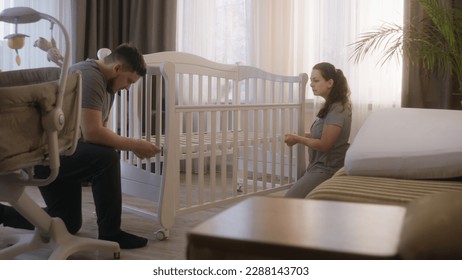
{"points": [[408, 143]]}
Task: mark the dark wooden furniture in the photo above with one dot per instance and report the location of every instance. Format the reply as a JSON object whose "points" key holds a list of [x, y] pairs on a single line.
{"points": [[282, 228]]}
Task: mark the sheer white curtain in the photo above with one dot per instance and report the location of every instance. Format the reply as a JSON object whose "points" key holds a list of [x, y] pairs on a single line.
{"points": [[33, 57], [290, 36]]}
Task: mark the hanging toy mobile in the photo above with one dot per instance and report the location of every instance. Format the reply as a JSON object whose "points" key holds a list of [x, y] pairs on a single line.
{"points": [[19, 15]]}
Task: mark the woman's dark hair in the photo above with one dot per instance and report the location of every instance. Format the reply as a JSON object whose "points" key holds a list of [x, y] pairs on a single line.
{"points": [[130, 58], [340, 91]]}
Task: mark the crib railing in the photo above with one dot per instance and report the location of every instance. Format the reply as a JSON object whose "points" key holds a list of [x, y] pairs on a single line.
{"points": [[221, 128]]}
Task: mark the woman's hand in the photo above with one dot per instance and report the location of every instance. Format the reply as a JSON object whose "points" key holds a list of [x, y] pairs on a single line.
{"points": [[291, 139]]}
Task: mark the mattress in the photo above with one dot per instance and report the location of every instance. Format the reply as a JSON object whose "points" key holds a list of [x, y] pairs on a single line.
{"points": [[408, 144], [366, 189]]}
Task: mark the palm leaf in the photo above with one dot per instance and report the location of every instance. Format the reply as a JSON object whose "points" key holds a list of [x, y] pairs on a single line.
{"points": [[441, 16], [433, 42], [374, 41]]}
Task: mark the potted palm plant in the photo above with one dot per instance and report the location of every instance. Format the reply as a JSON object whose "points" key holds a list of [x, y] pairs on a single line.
{"points": [[434, 42]]}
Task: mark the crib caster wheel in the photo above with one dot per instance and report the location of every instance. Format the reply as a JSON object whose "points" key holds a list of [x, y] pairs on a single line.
{"points": [[161, 235]]}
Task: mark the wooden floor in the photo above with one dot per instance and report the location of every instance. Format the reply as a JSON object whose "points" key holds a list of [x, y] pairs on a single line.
{"points": [[172, 249]]}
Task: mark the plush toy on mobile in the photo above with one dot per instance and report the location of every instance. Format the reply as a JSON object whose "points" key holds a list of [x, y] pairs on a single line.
{"points": [[53, 53]]}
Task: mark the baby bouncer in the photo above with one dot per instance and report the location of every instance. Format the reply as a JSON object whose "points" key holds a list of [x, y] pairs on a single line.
{"points": [[39, 120]]}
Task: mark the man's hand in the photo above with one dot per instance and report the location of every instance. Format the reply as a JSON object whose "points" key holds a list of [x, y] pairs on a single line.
{"points": [[144, 149]]}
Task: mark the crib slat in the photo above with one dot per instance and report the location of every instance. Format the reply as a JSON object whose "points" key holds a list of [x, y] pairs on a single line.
{"points": [[265, 147], [148, 120], [245, 152], [283, 148], [213, 156], [188, 170], [201, 162], [255, 150], [291, 117], [235, 151], [138, 107], [274, 151], [223, 147]]}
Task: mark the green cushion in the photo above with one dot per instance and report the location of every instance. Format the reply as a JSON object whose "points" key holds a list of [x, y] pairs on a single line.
{"points": [[432, 228]]}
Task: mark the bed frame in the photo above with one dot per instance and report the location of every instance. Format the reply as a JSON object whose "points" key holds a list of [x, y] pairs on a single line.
{"points": [[221, 128]]}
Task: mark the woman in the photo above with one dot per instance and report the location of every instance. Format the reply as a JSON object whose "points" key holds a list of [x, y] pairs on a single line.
{"points": [[328, 139]]}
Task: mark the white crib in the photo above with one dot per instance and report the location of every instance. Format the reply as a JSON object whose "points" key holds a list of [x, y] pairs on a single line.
{"points": [[221, 129]]}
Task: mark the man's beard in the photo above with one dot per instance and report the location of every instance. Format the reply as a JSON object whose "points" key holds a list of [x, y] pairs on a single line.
{"points": [[110, 85]]}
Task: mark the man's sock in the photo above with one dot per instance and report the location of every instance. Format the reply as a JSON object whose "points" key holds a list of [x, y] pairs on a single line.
{"points": [[9, 217], [2, 207], [126, 240]]}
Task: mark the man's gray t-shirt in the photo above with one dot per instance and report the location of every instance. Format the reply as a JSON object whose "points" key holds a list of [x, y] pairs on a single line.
{"points": [[94, 88], [338, 115]]}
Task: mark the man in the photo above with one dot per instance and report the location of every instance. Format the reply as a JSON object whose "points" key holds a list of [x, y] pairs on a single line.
{"points": [[96, 158]]}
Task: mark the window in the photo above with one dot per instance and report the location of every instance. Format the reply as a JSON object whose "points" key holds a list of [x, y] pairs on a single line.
{"points": [[290, 36]]}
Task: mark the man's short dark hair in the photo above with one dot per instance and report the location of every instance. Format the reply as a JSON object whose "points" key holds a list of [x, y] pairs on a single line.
{"points": [[132, 60]]}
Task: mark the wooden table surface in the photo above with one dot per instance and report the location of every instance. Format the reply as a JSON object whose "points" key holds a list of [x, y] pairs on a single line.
{"points": [[274, 227]]}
